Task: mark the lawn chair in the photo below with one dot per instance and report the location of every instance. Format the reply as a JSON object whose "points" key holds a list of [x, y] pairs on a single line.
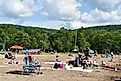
{"points": [[33, 67]]}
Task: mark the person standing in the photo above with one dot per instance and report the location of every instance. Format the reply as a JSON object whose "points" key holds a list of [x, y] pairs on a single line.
{"points": [[87, 53], [25, 60]]}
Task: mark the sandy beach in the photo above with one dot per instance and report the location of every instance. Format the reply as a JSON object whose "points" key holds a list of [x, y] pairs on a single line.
{"points": [[100, 74]]}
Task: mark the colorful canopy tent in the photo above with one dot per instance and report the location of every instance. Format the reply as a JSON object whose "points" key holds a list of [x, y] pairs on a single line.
{"points": [[16, 47], [31, 51]]}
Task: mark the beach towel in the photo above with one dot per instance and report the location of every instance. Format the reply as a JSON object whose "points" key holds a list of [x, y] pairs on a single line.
{"points": [[77, 68]]}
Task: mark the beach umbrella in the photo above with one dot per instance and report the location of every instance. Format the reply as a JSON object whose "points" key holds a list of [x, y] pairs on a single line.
{"points": [[75, 50], [91, 51]]}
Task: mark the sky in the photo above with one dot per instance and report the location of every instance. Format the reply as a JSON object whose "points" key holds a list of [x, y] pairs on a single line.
{"points": [[54, 14]]}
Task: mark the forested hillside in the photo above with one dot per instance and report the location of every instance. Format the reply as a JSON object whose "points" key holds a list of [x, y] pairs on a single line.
{"points": [[98, 38]]}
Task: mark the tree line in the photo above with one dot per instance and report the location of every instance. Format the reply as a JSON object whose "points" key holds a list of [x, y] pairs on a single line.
{"points": [[100, 38]]}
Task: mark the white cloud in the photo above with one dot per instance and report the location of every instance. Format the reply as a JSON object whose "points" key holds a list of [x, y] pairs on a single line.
{"points": [[68, 13], [95, 16], [102, 12], [100, 17], [60, 9], [17, 8], [105, 5]]}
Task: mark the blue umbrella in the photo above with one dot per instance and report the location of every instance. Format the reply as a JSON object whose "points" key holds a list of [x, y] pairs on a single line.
{"points": [[91, 51]]}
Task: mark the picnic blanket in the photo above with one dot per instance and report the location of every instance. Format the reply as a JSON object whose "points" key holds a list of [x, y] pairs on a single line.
{"points": [[77, 68]]}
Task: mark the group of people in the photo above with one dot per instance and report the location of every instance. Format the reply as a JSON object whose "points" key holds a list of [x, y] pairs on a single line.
{"points": [[29, 60], [12, 58], [83, 60], [80, 60]]}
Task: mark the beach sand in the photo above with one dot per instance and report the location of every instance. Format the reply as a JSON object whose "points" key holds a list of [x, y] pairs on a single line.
{"points": [[100, 74]]}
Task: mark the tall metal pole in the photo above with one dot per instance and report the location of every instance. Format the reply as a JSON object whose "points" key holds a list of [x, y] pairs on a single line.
{"points": [[4, 47], [76, 40]]}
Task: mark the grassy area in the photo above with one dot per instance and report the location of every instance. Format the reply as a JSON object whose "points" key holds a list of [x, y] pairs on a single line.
{"points": [[13, 53], [2, 52], [55, 53]]}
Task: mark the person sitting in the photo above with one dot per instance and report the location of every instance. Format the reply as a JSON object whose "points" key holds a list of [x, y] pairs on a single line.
{"points": [[30, 60], [35, 63], [112, 55], [95, 64], [103, 63], [80, 59], [96, 54], [6, 55], [58, 63], [25, 60], [57, 58], [86, 52], [84, 64], [55, 66], [71, 62], [107, 65], [77, 60], [13, 61], [9, 56]]}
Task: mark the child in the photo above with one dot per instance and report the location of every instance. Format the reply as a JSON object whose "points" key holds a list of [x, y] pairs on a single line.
{"points": [[57, 58]]}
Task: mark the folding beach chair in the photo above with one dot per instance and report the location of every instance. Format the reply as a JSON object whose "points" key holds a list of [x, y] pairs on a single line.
{"points": [[34, 67]]}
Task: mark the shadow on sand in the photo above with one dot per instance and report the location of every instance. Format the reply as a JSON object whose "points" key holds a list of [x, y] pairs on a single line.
{"points": [[18, 72]]}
